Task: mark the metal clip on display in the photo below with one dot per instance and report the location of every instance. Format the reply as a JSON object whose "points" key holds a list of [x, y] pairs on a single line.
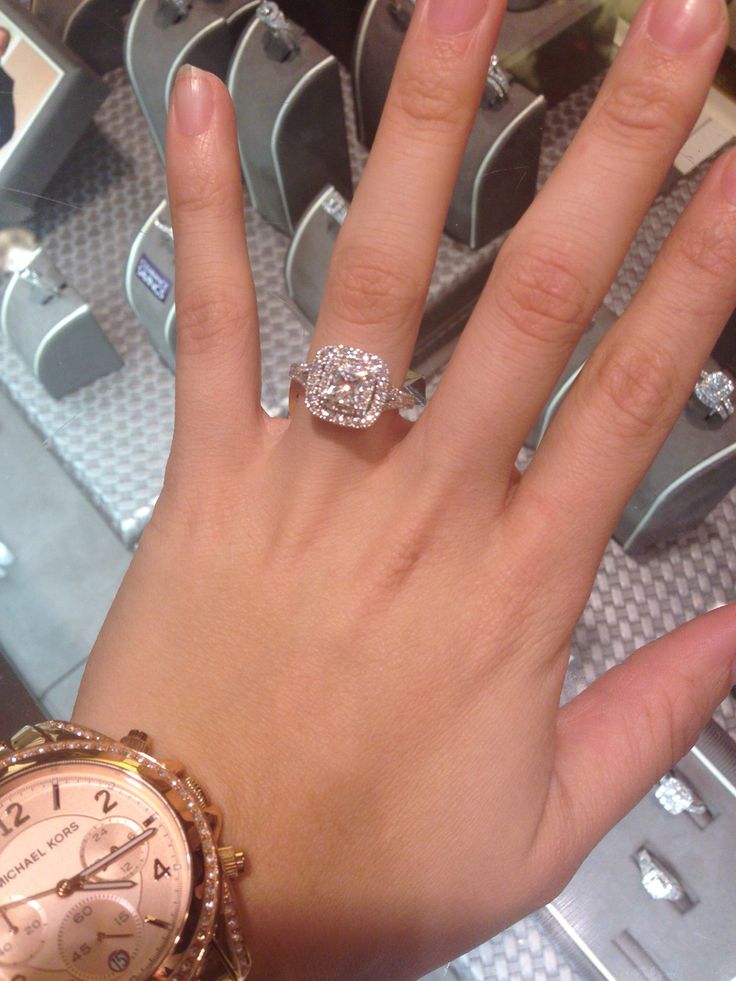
{"points": [[292, 137], [54, 330], [694, 470], [93, 29], [163, 35], [282, 40], [149, 282]]}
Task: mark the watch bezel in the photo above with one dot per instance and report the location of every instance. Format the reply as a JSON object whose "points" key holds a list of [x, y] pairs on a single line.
{"points": [[200, 826]]}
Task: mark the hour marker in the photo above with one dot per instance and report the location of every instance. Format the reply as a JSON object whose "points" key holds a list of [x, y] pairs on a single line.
{"points": [[57, 795], [149, 821], [154, 921]]}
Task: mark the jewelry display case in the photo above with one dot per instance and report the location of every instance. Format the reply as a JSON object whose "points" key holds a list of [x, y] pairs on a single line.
{"points": [[89, 466]]}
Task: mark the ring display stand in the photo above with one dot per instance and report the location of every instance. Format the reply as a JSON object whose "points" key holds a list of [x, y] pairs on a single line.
{"points": [[54, 330], [292, 136], [149, 282], [93, 29]]}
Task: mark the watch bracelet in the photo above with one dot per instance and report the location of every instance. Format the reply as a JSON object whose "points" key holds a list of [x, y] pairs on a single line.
{"points": [[218, 963]]}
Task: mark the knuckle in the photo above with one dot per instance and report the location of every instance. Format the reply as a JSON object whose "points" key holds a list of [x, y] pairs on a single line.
{"points": [[664, 722], [542, 296], [635, 386], [641, 113], [427, 95], [201, 194], [208, 321], [370, 288], [708, 250]]}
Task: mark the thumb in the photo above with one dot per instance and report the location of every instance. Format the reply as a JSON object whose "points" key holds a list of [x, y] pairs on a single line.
{"points": [[617, 738]]}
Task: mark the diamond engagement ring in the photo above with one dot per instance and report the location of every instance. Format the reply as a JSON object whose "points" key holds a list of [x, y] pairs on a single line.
{"points": [[658, 881], [350, 387], [714, 390], [676, 796]]}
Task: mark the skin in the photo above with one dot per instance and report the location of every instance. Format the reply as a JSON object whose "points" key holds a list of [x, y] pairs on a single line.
{"points": [[4, 41], [357, 640]]}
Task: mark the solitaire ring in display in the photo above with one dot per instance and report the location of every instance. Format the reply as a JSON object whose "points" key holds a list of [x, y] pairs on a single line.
{"points": [[714, 390], [351, 388], [658, 881]]}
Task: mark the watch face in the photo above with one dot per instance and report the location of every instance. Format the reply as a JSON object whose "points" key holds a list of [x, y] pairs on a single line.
{"points": [[95, 875]]}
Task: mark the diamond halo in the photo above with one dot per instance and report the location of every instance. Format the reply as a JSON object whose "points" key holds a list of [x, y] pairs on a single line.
{"points": [[349, 387]]}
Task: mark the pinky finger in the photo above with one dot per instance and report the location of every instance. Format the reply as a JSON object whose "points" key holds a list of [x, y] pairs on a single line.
{"points": [[616, 739]]}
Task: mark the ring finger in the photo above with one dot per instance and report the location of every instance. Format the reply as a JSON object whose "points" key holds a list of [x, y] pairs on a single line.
{"points": [[383, 260]]}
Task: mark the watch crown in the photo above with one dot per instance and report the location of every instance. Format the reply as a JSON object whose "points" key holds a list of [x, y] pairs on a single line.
{"points": [[196, 791], [137, 740], [232, 861]]}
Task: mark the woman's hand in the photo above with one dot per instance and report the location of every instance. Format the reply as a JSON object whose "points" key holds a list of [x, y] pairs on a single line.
{"points": [[357, 639]]}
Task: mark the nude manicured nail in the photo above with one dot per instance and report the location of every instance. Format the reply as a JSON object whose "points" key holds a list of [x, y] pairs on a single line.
{"points": [[193, 100], [680, 26], [729, 179], [449, 17]]}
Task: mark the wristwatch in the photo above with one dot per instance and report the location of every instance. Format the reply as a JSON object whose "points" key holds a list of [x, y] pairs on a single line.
{"points": [[110, 864]]}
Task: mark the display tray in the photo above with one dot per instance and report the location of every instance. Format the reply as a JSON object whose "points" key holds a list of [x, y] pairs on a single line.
{"points": [[113, 437]]}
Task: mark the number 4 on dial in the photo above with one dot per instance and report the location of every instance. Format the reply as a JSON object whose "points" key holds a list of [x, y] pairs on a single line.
{"points": [[160, 870]]}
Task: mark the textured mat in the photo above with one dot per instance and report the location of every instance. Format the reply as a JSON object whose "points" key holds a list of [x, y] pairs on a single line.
{"points": [[113, 437]]}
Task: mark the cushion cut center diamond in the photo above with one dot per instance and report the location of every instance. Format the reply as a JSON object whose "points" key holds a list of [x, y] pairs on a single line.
{"points": [[347, 386], [349, 389]]}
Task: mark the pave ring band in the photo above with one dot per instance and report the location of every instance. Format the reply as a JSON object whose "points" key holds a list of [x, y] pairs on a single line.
{"points": [[349, 387]]}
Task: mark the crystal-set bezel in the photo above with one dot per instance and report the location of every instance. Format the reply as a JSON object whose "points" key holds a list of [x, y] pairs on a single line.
{"points": [[327, 361], [184, 961]]}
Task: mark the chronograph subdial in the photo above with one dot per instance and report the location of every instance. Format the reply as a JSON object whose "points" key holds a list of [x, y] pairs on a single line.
{"points": [[100, 938], [107, 837], [22, 933]]}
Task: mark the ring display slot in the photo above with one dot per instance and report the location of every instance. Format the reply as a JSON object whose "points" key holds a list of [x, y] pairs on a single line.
{"points": [[640, 960]]}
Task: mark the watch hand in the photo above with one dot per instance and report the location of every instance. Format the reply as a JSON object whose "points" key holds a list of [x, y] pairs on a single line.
{"points": [[13, 929], [71, 885], [106, 884], [114, 936], [27, 899]]}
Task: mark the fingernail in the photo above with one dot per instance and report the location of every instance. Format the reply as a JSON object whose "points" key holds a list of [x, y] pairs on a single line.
{"points": [[450, 17], [729, 179], [193, 100], [683, 25]]}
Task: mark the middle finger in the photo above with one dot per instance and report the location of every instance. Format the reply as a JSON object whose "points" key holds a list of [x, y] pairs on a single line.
{"points": [[558, 264]]}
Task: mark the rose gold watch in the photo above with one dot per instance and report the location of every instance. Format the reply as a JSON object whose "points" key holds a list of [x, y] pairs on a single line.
{"points": [[110, 864]]}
